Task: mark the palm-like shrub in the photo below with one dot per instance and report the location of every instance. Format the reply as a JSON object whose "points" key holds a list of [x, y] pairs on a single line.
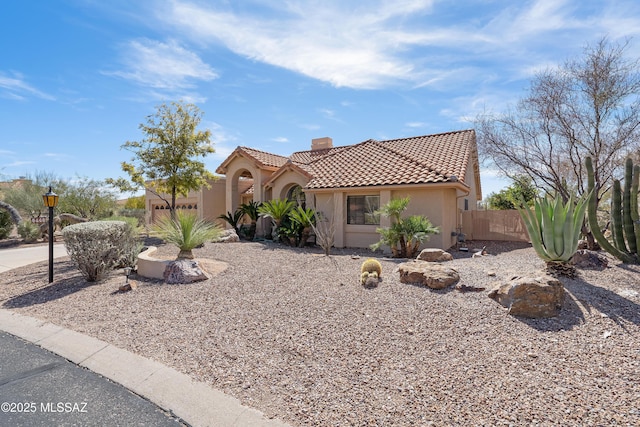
{"points": [[405, 234], [277, 210], [251, 210], [416, 229], [233, 219], [554, 229], [305, 218], [186, 231]]}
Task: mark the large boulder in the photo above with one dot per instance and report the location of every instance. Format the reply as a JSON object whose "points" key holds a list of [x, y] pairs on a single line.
{"points": [[184, 271], [531, 297], [434, 255], [434, 276]]}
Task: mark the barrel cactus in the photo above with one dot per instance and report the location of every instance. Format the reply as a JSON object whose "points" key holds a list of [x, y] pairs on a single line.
{"points": [[371, 265], [625, 221]]}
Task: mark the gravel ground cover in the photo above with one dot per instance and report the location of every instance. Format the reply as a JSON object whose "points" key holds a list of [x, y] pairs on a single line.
{"points": [[293, 333]]}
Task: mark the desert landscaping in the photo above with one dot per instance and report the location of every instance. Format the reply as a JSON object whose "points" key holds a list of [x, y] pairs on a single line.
{"points": [[294, 334]]}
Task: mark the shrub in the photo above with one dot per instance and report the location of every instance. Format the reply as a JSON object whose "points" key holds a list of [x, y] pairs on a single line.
{"points": [[186, 231], [6, 225], [99, 246], [29, 231]]}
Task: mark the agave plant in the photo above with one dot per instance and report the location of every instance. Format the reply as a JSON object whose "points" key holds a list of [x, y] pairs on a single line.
{"points": [[554, 230], [186, 231]]}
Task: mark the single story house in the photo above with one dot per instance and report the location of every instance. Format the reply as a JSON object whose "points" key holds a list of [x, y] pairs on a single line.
{"points": [[440, 173]]}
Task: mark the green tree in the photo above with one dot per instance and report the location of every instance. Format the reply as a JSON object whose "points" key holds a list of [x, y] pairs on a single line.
{"points": [[27, 196], [166, 160], [521, 190], [87, 198], [137, 202]]}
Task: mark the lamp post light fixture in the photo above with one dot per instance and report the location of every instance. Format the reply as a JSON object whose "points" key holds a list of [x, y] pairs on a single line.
{"points": [[51, 201], [127, 272]]}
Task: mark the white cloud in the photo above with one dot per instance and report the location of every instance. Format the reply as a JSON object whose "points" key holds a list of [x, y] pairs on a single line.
{"points": [[162, 66], [280, 139], [416, 125], [14, 86], [330, 41], [380, 44]]}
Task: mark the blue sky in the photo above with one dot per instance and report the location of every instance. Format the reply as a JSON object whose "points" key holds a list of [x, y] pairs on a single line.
{"points": [[77, 77]]}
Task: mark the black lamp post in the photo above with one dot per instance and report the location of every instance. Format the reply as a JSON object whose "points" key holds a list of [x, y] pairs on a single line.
{"points": [[50, 201]]}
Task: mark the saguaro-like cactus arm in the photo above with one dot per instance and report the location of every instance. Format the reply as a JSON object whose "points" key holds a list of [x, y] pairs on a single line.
{"points": [[635, 217], [593, 219], [616, 217], [627, 220]]}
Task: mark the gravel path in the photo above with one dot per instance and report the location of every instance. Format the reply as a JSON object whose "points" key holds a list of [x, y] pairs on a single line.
{"points": [[293, 334]]}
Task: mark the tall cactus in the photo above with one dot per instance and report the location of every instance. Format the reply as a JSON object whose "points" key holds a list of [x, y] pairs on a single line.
{"points": [[625, 223]]}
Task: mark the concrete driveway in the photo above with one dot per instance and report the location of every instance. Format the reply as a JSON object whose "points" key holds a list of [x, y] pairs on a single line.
{"points": [[19, 257]]}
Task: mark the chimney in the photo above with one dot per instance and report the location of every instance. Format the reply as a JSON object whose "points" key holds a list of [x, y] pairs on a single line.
{"points": [[321, 143]]}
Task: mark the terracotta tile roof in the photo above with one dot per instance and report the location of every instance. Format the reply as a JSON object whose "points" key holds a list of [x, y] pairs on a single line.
{"points": [[422, 159], [263, 158], [266, 159], [425, 159], [306, 157]]}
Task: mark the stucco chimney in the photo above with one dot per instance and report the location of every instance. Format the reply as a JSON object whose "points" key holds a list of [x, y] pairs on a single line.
{"points": [[321, 143]]}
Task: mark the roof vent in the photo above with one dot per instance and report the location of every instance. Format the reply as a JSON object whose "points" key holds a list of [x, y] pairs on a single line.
{"points": [[321, 143]]}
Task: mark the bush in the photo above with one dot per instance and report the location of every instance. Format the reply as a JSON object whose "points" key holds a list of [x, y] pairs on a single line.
{"points": [[29, 231], [99, 246], [6, 225], [186, 231], [133, 222]]}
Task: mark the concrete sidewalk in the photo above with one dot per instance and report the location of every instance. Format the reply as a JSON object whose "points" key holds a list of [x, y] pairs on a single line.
{"points": [[176, 394]]}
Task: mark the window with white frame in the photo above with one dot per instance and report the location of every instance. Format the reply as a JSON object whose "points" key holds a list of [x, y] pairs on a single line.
{"points": [[361, 210]]}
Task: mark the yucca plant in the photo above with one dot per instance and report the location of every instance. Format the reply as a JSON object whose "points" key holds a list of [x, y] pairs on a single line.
{"points": [[554, 229], [186, 231]]}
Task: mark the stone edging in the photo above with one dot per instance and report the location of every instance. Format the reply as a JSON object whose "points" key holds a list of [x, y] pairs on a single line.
{"points": [[150, 267]]}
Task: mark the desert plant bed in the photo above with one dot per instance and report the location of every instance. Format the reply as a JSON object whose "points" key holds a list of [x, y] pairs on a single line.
{"points": [[294, 334]]}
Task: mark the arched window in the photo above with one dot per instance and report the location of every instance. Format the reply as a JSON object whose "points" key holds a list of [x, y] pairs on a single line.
{"points": [[296, 195]]}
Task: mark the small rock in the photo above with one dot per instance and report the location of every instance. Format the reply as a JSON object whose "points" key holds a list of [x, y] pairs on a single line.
{"points": [[532, 355], [227, 236], [128, 287], [591, 260], [434, 255], [606, 334], [491, 273]]}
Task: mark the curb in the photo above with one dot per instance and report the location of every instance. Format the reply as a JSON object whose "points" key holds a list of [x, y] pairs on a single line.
{"points": [[194, 402]]}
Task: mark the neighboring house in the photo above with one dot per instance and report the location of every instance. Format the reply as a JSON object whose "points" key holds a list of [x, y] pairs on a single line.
{"points": [[439, 172]]}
